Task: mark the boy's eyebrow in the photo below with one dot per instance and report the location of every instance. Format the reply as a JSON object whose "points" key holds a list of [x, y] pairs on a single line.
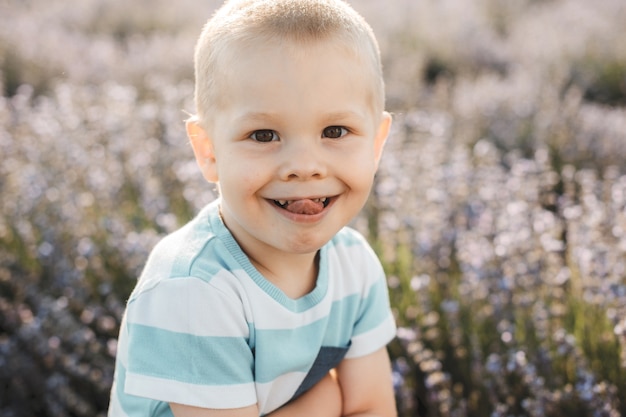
{"points": [[256, 117], [345, 115], [330, 117]]}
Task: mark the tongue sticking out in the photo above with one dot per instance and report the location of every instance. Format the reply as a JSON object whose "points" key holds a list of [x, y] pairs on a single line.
{"points": [[305, 206]]}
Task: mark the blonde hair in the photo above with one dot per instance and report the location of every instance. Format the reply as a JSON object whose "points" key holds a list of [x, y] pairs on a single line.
{"points": [[239, 22]]}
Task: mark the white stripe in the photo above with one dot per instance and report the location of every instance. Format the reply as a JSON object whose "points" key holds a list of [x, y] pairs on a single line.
{"points": [[122, 348], [189, 305], [359, 270], [272, 395], [372, 340], [222, 396]]}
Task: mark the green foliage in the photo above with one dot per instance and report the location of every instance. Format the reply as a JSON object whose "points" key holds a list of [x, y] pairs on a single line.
{"points": [[603, 81]]}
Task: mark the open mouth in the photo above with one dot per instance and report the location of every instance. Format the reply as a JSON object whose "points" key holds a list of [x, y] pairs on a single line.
{"points": [[304, 206], [285, 203]]}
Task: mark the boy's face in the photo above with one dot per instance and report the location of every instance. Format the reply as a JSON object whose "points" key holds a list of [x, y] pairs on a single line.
{"points": [[295, 146]]}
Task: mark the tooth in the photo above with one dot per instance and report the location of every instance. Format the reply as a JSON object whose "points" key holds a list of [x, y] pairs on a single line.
{"points": [[281, 202]]}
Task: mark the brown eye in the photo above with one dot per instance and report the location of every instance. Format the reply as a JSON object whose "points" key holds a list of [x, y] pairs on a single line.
{"points": [[264, 135], [334, 132]]}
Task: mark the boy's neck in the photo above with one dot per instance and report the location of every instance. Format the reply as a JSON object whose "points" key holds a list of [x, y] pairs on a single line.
{"points": [[295, 275]]}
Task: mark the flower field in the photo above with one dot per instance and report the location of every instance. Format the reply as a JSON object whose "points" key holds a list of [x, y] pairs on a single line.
{"points": [[499, 211]]}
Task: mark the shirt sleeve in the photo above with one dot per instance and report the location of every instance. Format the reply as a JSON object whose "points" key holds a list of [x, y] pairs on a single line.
{"points": [[375, 325], [187, 342]]}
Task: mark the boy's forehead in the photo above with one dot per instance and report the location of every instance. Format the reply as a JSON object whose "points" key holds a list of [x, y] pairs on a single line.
{"points": [[330, 52]]}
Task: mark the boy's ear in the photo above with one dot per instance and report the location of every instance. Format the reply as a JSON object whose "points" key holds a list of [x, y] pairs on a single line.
{"points": [[203, 150], [381, 136]]}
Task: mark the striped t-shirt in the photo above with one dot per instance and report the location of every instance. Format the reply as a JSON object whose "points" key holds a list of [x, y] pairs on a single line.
{"points": [[203, 327]]}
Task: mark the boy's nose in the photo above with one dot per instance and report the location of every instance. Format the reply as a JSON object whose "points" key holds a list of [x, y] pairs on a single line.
{"points": [[302, 162]]}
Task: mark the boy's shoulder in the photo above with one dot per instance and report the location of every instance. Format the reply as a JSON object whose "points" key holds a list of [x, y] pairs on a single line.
{"points": [[179, 254], [194, 236], [348, 236], [350, 249]]}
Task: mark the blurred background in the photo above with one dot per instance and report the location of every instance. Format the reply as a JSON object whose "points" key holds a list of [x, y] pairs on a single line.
{"points": [[499, 211]]}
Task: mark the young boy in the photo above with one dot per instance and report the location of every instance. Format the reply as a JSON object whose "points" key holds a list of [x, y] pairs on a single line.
{"points": [[265, 303]]}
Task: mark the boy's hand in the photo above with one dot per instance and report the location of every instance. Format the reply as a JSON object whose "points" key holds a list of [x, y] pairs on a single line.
{"points": [[366, 385]]}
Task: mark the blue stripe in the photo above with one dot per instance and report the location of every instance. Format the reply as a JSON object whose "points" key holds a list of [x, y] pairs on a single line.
{"points": [[187, 358], [352, 316], [282, 351], [342, 316]]}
